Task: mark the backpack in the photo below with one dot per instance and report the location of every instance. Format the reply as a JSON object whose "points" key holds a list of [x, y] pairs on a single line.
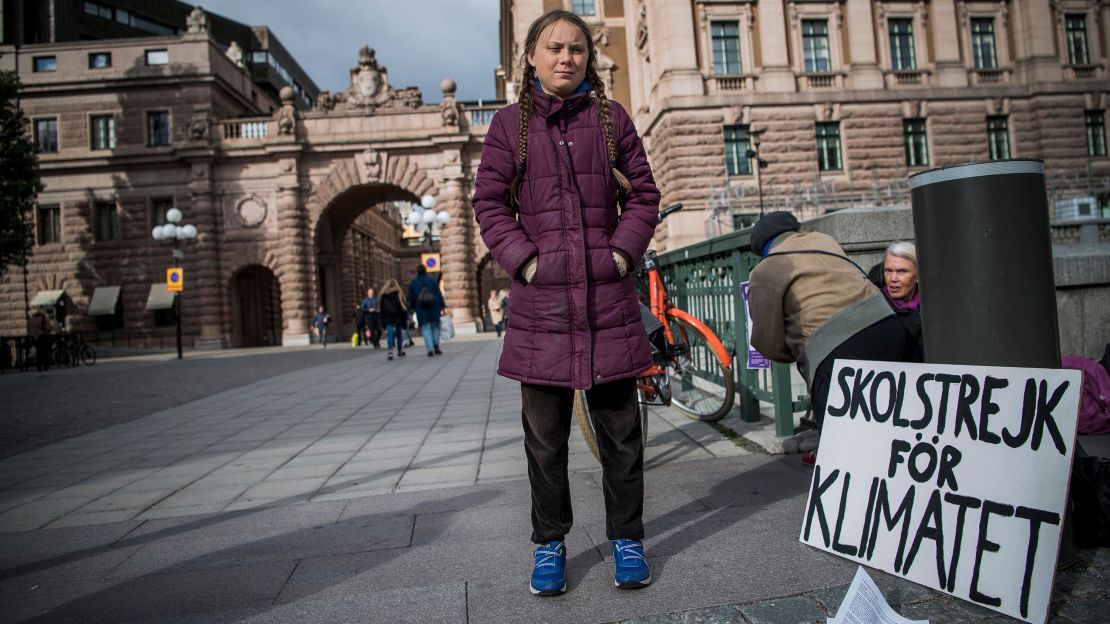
{"points": [[1094, 398], [425, 299]]}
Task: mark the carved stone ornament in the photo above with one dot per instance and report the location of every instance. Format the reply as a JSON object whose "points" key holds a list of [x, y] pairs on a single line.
{"points": [[199, 126], [287, 114], [370, 90], [251, 211], [369, 166], [235, 54], [197, 21]]}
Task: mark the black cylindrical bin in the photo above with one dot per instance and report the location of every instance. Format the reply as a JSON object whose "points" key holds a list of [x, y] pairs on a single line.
{"points": [[988, 296]]}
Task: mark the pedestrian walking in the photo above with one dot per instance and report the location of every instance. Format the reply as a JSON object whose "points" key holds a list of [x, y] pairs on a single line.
{"points": [[566, 203], [394, 316], [320, 324], [426, 299], [372, 318], [42, 330], [496, 314], [360, 326]]}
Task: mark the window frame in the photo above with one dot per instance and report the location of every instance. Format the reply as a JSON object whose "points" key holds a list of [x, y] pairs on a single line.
{"points": [[149, 130], [53, 234], [156, 217], [993, 132], [105, 55], [147, 57], [897, 63], [713, 40], [732, 145], [824, 142], [976, 38], [807, 49], [93, 134], [38, 135], [916, 137], [1096, 146], [1069, 43], [38, 64], [114, 233], [575, 5]]}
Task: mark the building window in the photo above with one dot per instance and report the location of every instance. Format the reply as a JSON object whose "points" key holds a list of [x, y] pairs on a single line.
{"points": [[98, 10], [815, 46], [726, 48], [50, 225], [737, 144], [46, 135], [45, 64], [158, 208], [917, 146], [901, 44], [998, 137], [828, 146], [106, 221], [102, 132], [100, 60], [982, 43], [1076, 28], [584, 7], [1096, 133], [157, 128], [157, 57]]}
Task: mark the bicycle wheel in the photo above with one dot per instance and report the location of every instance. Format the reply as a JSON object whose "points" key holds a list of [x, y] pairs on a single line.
{"points": [[60, 357], [88, 355], [589, 429], [702, 387]]}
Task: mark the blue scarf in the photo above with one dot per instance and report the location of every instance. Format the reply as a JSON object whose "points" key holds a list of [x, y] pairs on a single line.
{"points": [[582, 88]]}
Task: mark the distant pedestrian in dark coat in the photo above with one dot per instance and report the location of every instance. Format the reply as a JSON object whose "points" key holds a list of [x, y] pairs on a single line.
{"points": [[394, 316], [425, 297], [371, 318]]}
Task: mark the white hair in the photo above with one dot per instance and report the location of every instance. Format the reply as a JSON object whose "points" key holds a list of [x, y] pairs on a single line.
{"points": [[903, 249]]}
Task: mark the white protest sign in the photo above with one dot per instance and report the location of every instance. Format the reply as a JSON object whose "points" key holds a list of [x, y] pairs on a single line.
{"points": [[954, 477]]}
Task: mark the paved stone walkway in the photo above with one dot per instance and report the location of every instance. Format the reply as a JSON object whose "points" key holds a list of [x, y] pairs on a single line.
{"points": [[395, 492]]}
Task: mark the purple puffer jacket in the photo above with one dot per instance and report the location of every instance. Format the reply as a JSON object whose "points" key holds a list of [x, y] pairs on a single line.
{"points": [[578, 323]]}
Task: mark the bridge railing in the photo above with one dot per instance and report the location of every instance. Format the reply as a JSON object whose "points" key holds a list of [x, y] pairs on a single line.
{"points": [[245, 130], [704, 279]]}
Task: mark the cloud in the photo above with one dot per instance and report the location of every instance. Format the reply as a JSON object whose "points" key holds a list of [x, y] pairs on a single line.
{"points": [[421, 42]]}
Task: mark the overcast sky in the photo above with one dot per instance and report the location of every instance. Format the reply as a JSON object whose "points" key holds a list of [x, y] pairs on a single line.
{"points": [[421, 42]]}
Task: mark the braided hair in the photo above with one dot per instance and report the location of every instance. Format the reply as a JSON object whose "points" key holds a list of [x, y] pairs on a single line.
{"points": [[597, 89]]}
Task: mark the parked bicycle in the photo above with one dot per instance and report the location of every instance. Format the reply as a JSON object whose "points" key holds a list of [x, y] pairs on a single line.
{"points": [[72, 350], [691, 369]]}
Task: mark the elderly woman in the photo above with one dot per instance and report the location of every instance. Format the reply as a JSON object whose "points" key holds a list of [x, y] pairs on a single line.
{"points": [[901, 290], [566, 203]]}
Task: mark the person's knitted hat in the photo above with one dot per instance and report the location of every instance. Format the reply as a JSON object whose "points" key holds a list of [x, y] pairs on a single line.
{"points": [[770, 226]]}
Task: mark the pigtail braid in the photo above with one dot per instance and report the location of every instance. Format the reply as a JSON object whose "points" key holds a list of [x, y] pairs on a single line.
{"points": [[605, 117], [525, 101]]}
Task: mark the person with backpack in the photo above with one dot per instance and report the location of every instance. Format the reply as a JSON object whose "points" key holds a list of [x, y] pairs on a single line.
{"points": [[426, 299], [394, 315], [42, 329], [567, 204]]}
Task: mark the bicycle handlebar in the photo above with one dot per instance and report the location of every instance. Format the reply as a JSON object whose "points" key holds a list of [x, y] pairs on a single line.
{"points": [[672, 208]]}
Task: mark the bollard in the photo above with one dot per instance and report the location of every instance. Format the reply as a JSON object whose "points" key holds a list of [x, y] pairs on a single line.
{"points": [[988, 294]]}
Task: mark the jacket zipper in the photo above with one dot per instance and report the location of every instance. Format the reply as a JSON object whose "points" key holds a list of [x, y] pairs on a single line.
{"points": [[566, 144]]}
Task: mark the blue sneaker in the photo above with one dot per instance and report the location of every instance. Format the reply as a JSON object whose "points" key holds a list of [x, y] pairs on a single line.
{"points": [[632, 570], [549, 573]]}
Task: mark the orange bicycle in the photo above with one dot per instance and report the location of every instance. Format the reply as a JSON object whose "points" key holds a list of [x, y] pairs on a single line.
{"points": [[691, 369]]}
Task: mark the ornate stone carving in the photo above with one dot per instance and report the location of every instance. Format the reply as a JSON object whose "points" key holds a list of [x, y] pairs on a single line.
{"points": [[287, 114], [251, 211], [369, 90], [913, 109], [369, 166], [449, 108], [235, 54], [199, 126], [197, 21]]}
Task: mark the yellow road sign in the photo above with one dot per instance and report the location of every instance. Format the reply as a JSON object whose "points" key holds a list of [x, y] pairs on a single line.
{"points": [[430, 262], [175, 279]]}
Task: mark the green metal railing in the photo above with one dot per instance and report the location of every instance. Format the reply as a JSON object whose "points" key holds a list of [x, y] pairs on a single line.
{"points": [[704, 279]]}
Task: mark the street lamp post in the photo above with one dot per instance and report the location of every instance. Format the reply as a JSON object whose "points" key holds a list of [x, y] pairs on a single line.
{"points": [[175, 232], [760, 164], [427, 220]]}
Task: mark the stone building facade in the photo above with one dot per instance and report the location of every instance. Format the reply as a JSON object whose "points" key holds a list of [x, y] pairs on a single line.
{"points": [[293, 208], [843, 99]]}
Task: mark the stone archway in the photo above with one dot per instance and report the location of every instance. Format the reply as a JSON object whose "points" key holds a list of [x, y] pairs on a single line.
{"points": [[256, 319]]}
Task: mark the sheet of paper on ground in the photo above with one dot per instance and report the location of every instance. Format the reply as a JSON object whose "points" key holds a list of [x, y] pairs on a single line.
{"points": [[954, 477], [864, 604]]}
